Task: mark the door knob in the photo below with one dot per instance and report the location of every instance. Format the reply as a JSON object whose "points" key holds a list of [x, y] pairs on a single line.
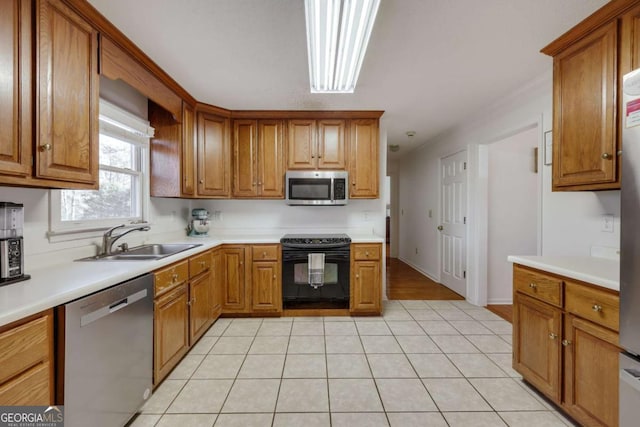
{"points": [[606, 156], [440, 228], [45, 147]]}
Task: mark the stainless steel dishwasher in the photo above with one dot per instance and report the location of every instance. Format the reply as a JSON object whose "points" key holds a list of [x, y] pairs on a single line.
{"points": [[108, 354]]}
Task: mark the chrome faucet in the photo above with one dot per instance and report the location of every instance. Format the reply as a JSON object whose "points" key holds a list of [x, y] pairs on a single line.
{"points": [[108, 239]]}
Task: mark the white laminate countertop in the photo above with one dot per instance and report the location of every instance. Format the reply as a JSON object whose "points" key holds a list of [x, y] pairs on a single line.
{"points": [[56, 285], [603, 272]]}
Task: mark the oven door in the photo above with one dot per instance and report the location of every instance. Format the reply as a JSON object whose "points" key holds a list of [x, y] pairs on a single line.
{"points": [[295, 277]]}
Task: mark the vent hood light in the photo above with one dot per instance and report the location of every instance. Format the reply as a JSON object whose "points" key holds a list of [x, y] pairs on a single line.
{"points": [[338, 32]]}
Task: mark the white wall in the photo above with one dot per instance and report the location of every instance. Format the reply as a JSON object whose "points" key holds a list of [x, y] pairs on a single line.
{"points": [[571, 222], [513, 210]]}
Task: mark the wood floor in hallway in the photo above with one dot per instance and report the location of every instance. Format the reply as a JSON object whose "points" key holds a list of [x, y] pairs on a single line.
{"points": [[404, 282]]}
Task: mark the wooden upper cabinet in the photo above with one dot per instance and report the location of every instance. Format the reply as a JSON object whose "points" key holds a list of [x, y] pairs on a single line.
{"points": [[15, 90], [630, 41], [245, 155], [331, 148], [302, 144], [317, 144], [270, 165], [214, 155], [258, 159], [188, 150], [363, 159], [67, 94]]}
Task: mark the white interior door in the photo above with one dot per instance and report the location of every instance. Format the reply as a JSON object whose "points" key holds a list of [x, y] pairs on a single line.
{"points": [[453, 216]]}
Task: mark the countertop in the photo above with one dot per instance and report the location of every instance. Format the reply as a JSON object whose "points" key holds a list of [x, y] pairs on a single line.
{"points": [[603, 272], [70, 280]]}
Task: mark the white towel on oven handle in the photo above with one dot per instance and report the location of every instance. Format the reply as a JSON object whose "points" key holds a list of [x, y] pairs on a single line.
{"points": [[316, 269]]}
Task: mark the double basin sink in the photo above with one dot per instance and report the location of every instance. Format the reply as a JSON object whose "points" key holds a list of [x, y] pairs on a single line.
{"points": [[144, 252]]}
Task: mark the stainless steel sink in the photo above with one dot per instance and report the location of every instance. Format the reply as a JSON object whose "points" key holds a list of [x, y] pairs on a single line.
{"points": [[144, 252]]}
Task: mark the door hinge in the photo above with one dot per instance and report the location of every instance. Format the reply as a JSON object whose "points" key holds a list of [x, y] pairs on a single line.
{"points": [[464, 274], [465, 165]]}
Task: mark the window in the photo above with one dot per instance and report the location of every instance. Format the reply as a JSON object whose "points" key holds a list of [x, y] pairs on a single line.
{"points": [[123, 193]]}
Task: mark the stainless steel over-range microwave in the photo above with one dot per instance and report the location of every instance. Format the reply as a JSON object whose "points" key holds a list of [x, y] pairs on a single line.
{"points": [[317, 188]]}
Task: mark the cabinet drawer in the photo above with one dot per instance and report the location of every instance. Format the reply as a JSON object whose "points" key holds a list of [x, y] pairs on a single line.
{"points": [[366, 252], [265, 252], [593, 304], [538, 285], [199, 263], [31, 388], [171, 276], [23, 346]]}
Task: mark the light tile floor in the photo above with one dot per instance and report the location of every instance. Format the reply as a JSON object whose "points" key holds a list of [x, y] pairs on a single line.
{"points": [[423, 363]]}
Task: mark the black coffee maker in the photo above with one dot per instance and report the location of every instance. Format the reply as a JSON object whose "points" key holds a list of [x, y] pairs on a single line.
{"points": [[11, 243]]}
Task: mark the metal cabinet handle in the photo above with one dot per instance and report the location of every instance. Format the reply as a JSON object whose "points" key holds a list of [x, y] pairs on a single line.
{"points": [[606, 156], [45, 147], [619, 153], [596, 307], [566, 343], [202, 181], [553, 336], [241, 262], [264, 254], [357, 276], [366, 253], [259, 183], [174, 277], [274, 277], [202, 263], [533, 285], [353, 183], [440, 228], [319, 156]]}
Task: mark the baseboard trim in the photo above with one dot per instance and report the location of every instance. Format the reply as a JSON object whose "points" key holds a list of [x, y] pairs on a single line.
{"points": [[500, 301]]}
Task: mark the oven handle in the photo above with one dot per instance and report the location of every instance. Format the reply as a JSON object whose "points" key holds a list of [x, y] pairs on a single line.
{"points": [[328, 256]]}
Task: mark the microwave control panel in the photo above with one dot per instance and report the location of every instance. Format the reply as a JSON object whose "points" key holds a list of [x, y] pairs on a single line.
{"points": [[339, 189]]}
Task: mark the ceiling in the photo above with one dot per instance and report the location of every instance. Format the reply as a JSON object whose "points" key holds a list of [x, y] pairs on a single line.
{"points": [[429, 64]]}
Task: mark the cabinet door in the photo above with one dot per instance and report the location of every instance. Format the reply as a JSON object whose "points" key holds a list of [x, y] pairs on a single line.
{"points": [[266, 287], [15, 88], [217, 281], [30, 388], [245, 154], [67, 95], [234, 296], [363, 159], [630, 42], [584, 113], [536, 344], [171, 331], [302, 144], [591, 372], [365, 289], [271, 159], [188, 150], [214, 162], [200, 315], [331, 149]]}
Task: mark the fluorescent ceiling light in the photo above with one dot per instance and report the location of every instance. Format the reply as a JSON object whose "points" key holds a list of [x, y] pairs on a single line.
{"points": [[338, 32]]}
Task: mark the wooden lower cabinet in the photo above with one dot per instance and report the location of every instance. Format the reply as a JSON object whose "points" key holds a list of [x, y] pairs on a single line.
{"points": [[184, 308], [235, 298], [171, 331], [567, 353], [266, 279], [366, 279], [27, 361], [591, 356], [536, 344]]}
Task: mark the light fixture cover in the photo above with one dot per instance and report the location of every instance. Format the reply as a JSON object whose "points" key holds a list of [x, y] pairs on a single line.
{"points": [[338, 32]]}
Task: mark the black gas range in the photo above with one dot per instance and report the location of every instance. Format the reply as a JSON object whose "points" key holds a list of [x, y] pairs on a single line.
{"points": [[297, 291]]}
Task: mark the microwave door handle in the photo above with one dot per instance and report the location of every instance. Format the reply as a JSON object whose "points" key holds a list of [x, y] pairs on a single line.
{"points": [[332, 184]]}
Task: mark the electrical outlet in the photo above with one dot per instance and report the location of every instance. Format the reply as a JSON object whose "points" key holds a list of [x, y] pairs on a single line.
{"points": [[217, 215], [607, 223]]}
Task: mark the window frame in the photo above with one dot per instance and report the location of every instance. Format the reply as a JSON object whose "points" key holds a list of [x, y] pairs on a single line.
{"points": [[119, 124]]}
